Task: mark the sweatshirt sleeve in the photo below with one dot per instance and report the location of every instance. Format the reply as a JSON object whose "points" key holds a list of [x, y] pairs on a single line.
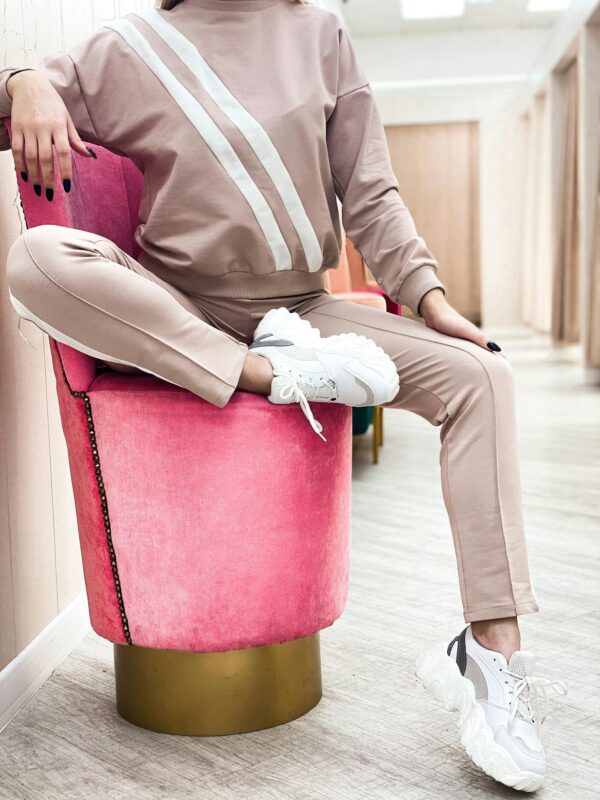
{"points": [[373, 214], [81, 77]]}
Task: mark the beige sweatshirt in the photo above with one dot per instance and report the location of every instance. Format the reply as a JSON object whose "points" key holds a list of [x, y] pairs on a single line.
{"points": [[247, 118]]}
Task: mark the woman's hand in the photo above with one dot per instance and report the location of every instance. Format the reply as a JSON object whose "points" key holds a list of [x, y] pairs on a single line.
{"points": [[439, 315], [40, 119]]}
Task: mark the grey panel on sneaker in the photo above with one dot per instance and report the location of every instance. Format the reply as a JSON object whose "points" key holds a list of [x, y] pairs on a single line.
{"points": [[477, 678], [271, 343], [370, 401]]}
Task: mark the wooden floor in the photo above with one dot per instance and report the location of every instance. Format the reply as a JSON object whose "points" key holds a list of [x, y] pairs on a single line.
{"points": [[376, 735]]}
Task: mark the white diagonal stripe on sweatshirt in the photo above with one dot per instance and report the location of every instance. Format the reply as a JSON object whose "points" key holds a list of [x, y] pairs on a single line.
{"points": [[213, 136], [251, 129]]}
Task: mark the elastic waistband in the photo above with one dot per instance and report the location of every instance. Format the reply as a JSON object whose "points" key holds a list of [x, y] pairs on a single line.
{"points": [[246, 285]]}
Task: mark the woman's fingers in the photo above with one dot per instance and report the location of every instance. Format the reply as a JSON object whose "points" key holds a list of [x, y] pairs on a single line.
{"points": [[63, 152], [30, 149], [46, 162], [17, 147], [75, 139], [34, 159]]}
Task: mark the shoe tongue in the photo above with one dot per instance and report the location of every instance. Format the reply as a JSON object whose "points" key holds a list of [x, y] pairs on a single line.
{"points": [[522, 663]]}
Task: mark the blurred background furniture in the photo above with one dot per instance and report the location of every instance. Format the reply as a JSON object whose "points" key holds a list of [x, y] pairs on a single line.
{"points": [[212, 556]]}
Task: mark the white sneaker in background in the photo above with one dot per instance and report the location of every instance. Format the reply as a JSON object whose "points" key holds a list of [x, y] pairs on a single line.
{"points": [[498, 702], [346, 368]]}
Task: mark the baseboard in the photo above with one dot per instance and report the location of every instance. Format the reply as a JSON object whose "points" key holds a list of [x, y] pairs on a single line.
{"points": [[24, 675]]}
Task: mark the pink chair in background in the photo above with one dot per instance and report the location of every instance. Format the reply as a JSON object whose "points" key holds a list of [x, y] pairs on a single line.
{"points": [[215, 542]]}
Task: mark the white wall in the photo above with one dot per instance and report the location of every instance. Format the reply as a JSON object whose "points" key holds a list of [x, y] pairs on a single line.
{"points": [[456, 54]]}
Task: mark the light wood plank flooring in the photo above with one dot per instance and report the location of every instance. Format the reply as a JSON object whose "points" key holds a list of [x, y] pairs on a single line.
{"points": [[376, 734]]}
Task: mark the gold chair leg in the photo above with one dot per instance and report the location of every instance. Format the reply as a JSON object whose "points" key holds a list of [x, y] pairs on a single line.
{"points": [[375, 439], [212, 694], [377, 432]]}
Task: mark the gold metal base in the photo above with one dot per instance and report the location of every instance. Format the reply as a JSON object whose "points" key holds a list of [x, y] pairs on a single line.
{"points": [[213, 694]]}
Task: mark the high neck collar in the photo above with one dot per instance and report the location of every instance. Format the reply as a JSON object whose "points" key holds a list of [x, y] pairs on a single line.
{"points": [[231, 5]]}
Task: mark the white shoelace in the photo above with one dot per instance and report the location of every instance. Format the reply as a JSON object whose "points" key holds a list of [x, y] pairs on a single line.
{"points": [[535, 692], [302, 394]]}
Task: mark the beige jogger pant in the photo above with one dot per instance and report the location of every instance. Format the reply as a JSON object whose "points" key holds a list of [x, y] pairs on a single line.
{"points": [[84, 290]]}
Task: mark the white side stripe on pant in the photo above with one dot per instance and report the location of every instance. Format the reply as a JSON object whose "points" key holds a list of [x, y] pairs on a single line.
{"points": [[25, 313], [214, 138], [252, 130]]}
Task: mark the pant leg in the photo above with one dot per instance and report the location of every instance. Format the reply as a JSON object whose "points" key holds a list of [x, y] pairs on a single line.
{"points": [[469, 393], [82, 289]]}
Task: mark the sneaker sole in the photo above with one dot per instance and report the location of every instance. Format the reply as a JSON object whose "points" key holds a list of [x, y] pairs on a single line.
{"points": [[440, 675]]}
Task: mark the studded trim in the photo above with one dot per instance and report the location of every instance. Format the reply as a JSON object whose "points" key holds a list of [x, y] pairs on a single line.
{"points": [[100, 483], [103, 501]]}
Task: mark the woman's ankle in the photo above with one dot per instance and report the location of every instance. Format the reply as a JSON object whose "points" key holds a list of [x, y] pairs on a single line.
{"points": [[501, 635], [257, 375]]}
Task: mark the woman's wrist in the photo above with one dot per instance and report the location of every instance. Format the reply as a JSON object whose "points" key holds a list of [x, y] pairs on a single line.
{"points": [[432, 300], [13, 82]]}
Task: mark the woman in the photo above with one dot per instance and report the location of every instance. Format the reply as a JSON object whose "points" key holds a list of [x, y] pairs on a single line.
{"points": [[247, 118]]}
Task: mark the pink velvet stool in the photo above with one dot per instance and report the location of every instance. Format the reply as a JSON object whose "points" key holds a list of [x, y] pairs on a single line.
{"points": [[215, 541]]}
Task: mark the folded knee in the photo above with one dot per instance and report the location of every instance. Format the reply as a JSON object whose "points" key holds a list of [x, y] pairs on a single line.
{"points": [[31, 257]]}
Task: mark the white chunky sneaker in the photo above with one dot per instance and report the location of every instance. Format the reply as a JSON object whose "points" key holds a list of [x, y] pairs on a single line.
{"points": [[498, 702], [346, 368]]}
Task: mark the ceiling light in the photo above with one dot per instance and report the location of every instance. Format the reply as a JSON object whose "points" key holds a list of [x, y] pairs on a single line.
{"points": [[432, 9], [547, 5]]}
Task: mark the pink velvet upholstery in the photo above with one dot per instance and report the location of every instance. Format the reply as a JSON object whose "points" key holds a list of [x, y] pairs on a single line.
{"points": [[201, 528]]}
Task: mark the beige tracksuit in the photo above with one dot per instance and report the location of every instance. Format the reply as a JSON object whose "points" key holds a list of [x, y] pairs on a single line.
{"points": [[249, 119]]}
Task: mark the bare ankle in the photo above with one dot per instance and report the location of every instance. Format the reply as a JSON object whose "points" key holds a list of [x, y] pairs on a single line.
{"points": [[502, 635], [257, 375]]}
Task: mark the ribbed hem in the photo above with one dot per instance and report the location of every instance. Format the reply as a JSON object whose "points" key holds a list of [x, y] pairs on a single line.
{"points": [[232, 5], [247, 285], [417, 285], [5, 98]]}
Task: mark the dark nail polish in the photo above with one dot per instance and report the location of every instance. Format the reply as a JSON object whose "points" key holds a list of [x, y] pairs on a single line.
{"points": [[494, 346], [67, 184], [24, 176], [37, 189], [91, 152], [49, 194]]}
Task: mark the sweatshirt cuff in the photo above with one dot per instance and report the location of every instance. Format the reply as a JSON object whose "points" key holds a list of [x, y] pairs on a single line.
{"points": [[417, 285], [5, 98]]}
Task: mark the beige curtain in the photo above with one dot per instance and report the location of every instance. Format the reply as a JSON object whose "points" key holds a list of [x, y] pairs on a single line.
{"points": [[592, 339], [565, 289], [527, 207], [537, 218]]}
